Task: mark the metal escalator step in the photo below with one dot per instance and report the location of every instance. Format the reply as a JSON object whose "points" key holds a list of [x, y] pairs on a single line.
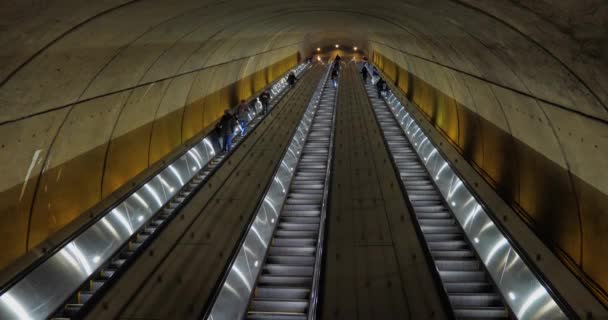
{"points": [[481, 313], [265, 292], [292, 251], [258, 315], [291, 260], [296, 234], [304, 220], [433, 215], [298, 226], [458, 265], [293, 242], [452, 254], [437, 222], [288, 270], [282, 305], [468, 287], [301, 213], [84, 296], [448, 245], [431, 237], [284, 281], [71, 309], [440, 229], [475, 300], [462, 276]]}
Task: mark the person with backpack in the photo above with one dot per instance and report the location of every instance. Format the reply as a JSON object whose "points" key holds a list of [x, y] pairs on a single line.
{"points": [[242, 114], [265, 100], [227, 125]]}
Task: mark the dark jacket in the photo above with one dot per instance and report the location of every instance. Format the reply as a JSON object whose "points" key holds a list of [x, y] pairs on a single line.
{"points": [[265, 97], [381, 85], [334, 74], [227, 124], [364, 72], [291, 79]]}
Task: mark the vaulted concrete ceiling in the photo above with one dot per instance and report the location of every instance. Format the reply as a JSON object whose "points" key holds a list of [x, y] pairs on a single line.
{"points": [[76, 76]]}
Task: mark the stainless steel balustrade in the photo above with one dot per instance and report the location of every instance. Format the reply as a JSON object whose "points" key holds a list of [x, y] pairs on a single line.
{"points": [[523, 291], [233, 298], [47, 286]]}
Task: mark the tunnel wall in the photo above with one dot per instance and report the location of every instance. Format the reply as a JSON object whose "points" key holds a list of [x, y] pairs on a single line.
{"points": [[508, 140], [94, 147]]}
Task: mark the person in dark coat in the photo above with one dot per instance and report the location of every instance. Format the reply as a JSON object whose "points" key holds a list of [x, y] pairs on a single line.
{"points": [[265, 100], [227, 125], [291, 79], [334, 77], [364, 73], [380, 86]]}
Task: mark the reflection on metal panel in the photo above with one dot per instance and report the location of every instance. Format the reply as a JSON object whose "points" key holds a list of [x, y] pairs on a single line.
{"points": [[45, 288], [523, 291]]}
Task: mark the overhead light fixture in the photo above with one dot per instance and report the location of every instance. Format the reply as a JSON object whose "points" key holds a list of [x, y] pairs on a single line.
{"points": [[355, 48], [318, 49], [337, 46]]}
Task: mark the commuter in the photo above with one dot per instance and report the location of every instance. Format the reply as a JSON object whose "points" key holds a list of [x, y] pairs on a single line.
{"points": [[338, 58], [265, 100], [334, 77], [217, 135], [291, 79], [242, 111], [381, 86], [364, 74], [227, 124], [337, 65]]}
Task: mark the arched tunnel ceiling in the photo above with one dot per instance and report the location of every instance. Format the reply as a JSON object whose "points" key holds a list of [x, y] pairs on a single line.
{"points": [[75, 76]]}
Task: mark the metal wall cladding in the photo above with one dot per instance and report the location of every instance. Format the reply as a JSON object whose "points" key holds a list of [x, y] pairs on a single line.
{"points": [[233, 297], [567, 213], [523, 291]]}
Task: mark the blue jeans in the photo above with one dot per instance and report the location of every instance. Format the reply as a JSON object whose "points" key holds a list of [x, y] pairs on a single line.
{"points": [[243, 126], [227, 142]]}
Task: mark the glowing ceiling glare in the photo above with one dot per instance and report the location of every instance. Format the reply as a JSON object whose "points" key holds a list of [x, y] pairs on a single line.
{"points": [[318, 49], [355, 48], [337, 46]]}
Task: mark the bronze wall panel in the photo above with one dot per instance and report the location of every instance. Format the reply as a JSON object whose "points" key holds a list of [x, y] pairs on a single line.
{"points": [[64, 192], [564, 211], [127, 156], [166, 135]]}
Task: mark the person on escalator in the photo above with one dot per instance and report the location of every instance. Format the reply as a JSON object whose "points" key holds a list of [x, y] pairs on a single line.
{"points": [[334, 77], [265, 100], [364, 74], [291, 79], [227, 125], [381, 87], [242, 114]]}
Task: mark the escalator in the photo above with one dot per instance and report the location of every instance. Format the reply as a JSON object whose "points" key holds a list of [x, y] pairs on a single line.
{"points": [[470, 290], [285, 284], [283, 290]]}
